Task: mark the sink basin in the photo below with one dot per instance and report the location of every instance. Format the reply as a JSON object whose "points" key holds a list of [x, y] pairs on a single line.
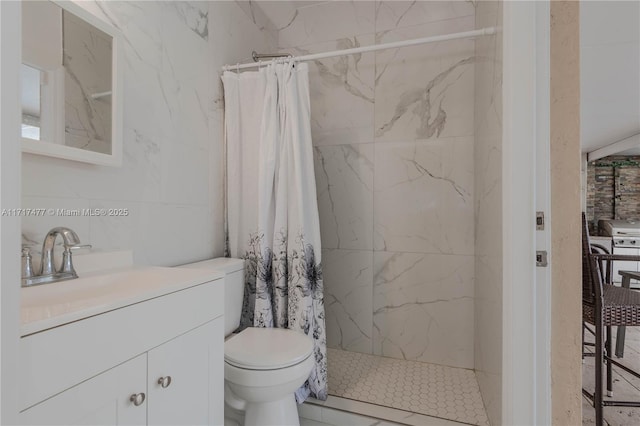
{"points": [[55, 304]]}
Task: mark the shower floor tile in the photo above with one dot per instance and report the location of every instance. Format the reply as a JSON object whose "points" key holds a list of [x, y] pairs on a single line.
{"points": [[418, 387]]}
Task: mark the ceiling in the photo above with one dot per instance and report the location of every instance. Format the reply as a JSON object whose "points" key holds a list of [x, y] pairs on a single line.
{"points": [[609, 73]]}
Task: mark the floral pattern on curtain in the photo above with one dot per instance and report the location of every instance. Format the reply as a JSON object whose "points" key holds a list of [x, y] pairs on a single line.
{"points": [[272, 208]]}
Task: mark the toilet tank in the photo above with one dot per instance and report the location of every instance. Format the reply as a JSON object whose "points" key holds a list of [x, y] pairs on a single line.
{"points": [[233, 287]]}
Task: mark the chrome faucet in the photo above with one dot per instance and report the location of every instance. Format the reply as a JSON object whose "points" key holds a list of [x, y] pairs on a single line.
{"points": [[48, 272]]}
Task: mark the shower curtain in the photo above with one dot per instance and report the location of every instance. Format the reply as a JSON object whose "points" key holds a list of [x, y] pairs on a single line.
{"points": [[272, 212]]}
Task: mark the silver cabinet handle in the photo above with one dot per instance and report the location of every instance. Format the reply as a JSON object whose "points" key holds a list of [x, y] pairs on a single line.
{"points": [[164, 381], [137, 398]]}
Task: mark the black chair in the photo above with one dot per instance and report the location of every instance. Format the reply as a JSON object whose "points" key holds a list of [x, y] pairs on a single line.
{"points": [[604, 306]]}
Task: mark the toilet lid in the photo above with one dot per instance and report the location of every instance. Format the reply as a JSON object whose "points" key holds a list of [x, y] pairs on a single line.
{"points": [[267, 348]]}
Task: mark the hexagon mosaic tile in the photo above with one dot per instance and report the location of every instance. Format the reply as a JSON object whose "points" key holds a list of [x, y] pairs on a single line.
{"points": [[429, 389]]}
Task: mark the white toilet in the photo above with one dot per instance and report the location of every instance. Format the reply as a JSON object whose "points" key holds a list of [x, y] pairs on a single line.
{"points": [[263, 367]]}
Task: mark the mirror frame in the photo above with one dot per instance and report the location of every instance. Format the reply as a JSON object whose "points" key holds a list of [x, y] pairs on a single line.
{"points": [[56, 150]]}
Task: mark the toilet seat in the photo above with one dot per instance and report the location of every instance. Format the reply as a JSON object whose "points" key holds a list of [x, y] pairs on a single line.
{"points": [[267, 348]]}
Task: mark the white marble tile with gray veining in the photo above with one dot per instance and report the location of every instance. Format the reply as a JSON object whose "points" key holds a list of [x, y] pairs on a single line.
{"points": [[139, 178], [488, 210], [176, 245], [324, 22], [233, 37], [194, 14], [341, 90], [458, 200], [399, 14], [423, 198], [146, 103], [167, 89], [487, 342], [138, 230], [261, 21], [425, 91], [488, 196], [488, 75], [407, 204], [423, 307], [186, 176], [118, 232], [344, 182], [190, 23], [189, 117], [165, 106], [140, 24], [142, 168], [488, 135], [280, 13], [348, 281]]}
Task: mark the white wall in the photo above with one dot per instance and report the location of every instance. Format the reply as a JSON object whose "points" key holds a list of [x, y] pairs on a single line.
{"points": [[393, 147], [171, 178], [488, 190]]}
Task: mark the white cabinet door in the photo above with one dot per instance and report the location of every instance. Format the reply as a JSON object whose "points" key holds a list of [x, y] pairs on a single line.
{"points": [[191, 369], [101, 400]]}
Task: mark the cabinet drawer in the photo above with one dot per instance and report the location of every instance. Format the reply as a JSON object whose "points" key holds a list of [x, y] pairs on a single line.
{"points": [[57, 359]]}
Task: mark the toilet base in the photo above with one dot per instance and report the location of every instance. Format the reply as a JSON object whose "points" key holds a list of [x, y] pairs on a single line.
{"points": [[267, 397], [281, 412]]}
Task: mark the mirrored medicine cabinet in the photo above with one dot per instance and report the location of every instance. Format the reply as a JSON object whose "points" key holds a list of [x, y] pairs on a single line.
{"points": [[71, 84]]}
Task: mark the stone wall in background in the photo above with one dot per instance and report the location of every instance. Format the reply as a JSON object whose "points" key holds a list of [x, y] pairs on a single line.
{"points": [[613, 189]]}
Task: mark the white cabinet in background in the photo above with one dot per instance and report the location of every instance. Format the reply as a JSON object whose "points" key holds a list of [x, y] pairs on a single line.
{"points": [[624, 265], [156, 362]]}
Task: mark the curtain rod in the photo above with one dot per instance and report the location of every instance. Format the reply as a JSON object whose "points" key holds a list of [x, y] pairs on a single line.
{"points": [[393, 45], [257, 56]]}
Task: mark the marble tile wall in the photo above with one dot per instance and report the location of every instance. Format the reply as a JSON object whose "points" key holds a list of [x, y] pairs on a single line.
{"points": [[393, 135], [488, 210], [606, 180], [171, 178]]}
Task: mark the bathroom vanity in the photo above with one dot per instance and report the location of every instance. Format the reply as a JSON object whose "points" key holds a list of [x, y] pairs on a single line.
{"points": [[137, 345]]}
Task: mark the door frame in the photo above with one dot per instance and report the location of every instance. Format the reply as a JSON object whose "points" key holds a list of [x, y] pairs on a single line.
{"points": [[10, 225], [526, 384]]}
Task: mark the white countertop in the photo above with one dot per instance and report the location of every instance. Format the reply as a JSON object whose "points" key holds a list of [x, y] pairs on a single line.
{"points": [[51, 305]]}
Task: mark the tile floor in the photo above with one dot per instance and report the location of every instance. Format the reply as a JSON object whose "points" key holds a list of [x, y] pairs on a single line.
{"points": [[625, 386], [315, 415], [417, 387], [362, 389]]}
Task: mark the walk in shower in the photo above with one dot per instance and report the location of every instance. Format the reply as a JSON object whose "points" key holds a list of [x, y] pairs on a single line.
{"points": [[407, 162]]}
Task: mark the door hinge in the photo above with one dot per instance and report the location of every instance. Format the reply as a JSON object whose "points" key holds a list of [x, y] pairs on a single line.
{"points": [[541, 258], [539, 221]]}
